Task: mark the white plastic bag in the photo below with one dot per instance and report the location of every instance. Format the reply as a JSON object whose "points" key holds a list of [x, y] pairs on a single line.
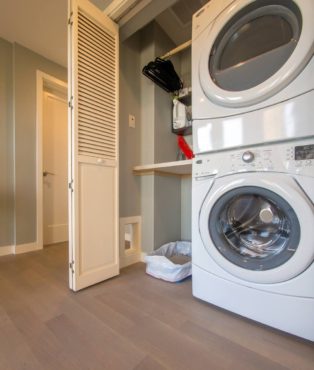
{"points": [[159, 266]]}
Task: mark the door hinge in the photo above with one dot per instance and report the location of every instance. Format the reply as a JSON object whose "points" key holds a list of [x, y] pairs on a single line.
{"points": [[71, 265], [70, 20], [71, 103], [71, 186]]}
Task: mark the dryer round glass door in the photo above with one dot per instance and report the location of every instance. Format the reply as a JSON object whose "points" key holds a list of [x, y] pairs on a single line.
{"points": [[254, 228], [255, 48]]}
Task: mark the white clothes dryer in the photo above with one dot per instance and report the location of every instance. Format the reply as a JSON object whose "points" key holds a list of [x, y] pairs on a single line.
{"points": [[252, 70], [252, 233]]}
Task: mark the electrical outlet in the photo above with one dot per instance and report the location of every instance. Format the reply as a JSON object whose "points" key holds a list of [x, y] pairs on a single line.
{"points": [[131, 121]]}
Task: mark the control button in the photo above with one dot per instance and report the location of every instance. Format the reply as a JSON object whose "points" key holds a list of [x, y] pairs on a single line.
{"points": [[199, 161], [248, 157]]}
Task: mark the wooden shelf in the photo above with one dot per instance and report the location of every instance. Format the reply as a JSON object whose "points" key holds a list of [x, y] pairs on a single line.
{"points": [[178, 168]]}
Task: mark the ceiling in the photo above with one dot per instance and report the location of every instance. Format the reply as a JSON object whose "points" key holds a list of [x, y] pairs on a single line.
{"points": [[41, 25], [176, 21]]}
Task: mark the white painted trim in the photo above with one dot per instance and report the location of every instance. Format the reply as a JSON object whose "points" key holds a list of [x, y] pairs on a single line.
{"points": [[133, 255], [132, 12], [6, 250], [25, 248], [43, 80], [130, 259], [18, 249], [143, 255], [119, 7]]}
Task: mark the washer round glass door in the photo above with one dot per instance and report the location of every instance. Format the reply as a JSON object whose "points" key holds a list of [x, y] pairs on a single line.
{"points": [[255, 226], [255, 48]]}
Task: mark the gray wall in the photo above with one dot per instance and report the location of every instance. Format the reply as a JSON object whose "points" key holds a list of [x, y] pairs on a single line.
{"points": [[163, 202], [147, 140], [186, 183], [167, 189], [186, 208], [18, 67], [26, 63], [6, 145], [130, 138], [186, 67], [160, 200]]}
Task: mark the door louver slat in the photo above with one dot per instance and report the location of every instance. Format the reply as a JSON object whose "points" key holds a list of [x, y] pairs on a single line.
{"points": [[95, 94], [96, 152], [97, 118], [92, 130], [94, 28], [99, 72], [96, 124], [107, 117], [102, 48], [94, 80], [85, 136], [89, 133], [95, 145], [94, 89], [89, 64], [99, 104], [94, 85]]}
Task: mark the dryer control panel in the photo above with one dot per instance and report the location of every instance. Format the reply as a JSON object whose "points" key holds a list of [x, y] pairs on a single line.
{"points": [[292, 157]]}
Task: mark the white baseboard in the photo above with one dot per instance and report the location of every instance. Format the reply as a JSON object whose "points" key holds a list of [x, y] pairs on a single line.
{"points": [[129, 259], [6, 250], [24, 248], [143, 255]]}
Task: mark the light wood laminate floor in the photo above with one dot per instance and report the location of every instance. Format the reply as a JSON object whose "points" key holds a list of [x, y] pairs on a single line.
{"points": [[132, 321]]}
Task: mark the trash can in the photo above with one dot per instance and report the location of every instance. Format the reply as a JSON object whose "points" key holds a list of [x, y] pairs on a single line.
{"points": [[171, 262]]}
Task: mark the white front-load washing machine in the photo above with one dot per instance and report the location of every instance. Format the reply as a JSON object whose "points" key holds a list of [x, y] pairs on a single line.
{"points": [[252, 72], [253, 234]]}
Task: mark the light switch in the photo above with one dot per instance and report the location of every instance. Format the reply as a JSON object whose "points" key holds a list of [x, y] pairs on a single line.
{"points": [[131, 121]]}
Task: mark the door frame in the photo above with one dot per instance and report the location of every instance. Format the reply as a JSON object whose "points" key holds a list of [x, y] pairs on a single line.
{"points": [[43, 81]]}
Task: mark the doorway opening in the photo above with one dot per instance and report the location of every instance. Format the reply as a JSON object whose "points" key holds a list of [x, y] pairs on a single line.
{"points": [[52, 160]]}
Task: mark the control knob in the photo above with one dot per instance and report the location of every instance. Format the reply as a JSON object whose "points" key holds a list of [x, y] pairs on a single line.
{"points": [[248, 157]]}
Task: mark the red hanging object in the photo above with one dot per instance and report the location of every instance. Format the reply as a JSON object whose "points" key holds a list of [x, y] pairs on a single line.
{"points": [[185, 148]]}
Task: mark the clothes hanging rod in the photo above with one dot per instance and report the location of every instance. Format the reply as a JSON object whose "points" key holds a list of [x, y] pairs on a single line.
{"points": [[176, 50]]}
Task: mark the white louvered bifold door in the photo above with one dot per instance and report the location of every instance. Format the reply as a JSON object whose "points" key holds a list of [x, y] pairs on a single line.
{"points": [[93, 150]]}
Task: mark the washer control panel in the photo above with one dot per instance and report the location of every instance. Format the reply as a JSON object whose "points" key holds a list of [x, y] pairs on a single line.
{"points": [[293, 157], [250, 160]]}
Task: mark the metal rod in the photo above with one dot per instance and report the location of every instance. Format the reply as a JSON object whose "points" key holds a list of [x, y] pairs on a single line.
{"points": [[177, 49]]}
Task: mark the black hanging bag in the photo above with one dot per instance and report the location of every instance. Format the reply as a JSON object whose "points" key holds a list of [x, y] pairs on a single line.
{"points": [[162, 73]]}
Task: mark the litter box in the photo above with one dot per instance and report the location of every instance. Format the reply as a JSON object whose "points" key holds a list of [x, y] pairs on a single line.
{"points": [[171, 262]]}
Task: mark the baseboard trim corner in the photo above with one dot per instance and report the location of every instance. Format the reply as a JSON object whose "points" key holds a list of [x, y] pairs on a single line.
{"points": [[25, 248], [6, 250], [143, 255]]}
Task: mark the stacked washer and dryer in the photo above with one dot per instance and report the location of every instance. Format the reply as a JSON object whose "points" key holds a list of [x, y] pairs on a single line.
{"points": [[253, 173]]}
